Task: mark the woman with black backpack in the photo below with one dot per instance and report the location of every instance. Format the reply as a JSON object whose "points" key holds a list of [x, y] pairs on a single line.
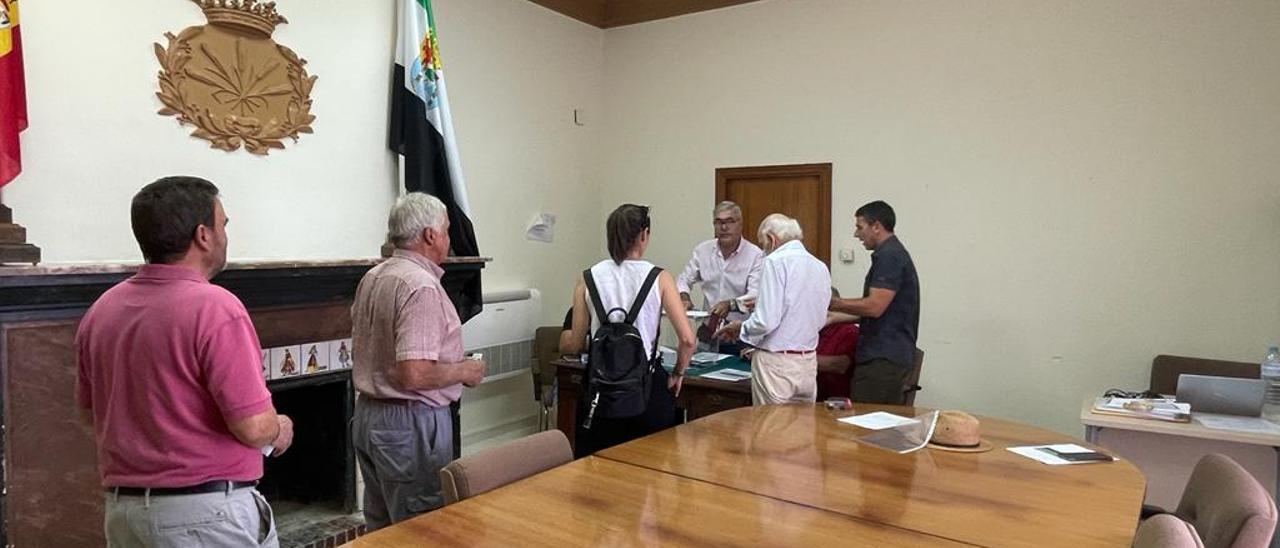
{"points": [[626, 393]]}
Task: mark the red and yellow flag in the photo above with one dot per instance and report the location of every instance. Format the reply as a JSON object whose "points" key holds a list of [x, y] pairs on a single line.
{"points": [[13, 93]]}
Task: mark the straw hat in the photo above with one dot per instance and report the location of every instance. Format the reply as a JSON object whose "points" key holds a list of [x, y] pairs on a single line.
{"points": [[958, 431]]}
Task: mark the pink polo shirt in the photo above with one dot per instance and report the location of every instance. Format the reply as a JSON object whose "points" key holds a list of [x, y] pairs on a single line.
{"points": [[166, 360]]}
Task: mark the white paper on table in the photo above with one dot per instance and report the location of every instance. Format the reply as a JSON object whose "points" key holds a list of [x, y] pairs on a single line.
{"points": [[878, 420], [1034, 452], [731, 375], [1243, 424], [905, 438], [708, 357], [1037, 453]]}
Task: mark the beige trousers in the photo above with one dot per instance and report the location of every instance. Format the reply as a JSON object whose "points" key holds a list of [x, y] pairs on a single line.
{"points": [[238, 518], [783, 378]]}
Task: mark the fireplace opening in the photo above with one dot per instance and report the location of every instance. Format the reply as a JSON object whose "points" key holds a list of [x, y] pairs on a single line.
{"points": [[312, 487]]}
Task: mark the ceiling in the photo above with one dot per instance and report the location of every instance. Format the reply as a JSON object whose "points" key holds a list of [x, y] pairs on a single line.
{"points": [[616, 13]]}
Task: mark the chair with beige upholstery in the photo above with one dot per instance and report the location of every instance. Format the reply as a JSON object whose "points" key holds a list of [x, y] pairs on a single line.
{"points": [[512, 461], [1166, 531], [1226, 505]]}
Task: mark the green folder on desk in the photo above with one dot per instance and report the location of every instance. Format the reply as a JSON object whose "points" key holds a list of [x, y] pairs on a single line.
{"points": [[700, 370]]}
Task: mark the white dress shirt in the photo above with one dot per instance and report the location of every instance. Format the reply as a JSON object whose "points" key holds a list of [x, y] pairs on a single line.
{"points": [[792, 301], [723, 279]]}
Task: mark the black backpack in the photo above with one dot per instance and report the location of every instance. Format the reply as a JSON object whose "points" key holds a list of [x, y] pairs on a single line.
{"points": [[618, 368]]}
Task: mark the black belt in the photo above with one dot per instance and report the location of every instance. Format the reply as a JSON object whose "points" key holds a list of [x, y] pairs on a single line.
{"points": [[215, 486]]}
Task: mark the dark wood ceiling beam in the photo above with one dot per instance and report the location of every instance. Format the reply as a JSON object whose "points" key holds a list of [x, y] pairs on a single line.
{"points": [[616, 13], [591, 12]]}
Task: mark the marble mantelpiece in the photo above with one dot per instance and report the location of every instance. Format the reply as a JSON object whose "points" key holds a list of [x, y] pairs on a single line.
{"points": [[50, 494]]}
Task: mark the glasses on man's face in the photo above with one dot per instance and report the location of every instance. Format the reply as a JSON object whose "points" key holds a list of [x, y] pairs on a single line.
{"points": [[724, 222]]}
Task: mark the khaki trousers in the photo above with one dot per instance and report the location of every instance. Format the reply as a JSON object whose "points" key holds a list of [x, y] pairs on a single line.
{"points": [[783, 378], [233, 519]]}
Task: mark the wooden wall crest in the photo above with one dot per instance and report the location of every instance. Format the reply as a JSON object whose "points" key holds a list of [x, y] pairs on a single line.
{"points": [[232, 82]]}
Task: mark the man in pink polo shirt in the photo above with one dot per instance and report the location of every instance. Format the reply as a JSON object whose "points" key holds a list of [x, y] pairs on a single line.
{"points": [[171, 380], [408, 366]]}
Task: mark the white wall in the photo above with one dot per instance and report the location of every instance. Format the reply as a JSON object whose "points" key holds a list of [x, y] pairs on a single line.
{"points": [[516, 71], [95, 139], [1082, 185]]}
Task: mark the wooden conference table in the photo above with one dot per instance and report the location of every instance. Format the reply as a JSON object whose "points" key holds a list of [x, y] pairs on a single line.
{"points": [[792, 475]]}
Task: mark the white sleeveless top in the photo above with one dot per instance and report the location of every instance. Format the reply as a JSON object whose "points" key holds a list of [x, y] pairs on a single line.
{"points": [[618, 285]]}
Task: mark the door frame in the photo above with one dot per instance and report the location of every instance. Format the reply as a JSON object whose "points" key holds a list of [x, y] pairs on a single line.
{"points": [[822, 243]]}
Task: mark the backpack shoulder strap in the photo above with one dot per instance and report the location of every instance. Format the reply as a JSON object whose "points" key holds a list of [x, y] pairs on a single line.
{"points": [[644, 293], [594, 294]]}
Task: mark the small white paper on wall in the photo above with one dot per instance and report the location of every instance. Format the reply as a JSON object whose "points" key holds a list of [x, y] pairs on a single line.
{"points": [[541, 228]]}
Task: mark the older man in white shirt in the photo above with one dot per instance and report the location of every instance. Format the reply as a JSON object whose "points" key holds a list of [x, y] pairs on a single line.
{"points": [[727, 266], [791, 307]]}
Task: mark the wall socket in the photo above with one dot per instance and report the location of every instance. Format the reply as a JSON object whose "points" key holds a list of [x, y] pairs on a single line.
{"points": [[846, 255]]}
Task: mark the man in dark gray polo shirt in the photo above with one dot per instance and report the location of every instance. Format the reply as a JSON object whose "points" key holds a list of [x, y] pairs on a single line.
{"points": [[889, 310]]}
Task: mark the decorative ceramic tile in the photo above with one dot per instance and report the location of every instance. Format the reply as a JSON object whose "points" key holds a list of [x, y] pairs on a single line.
{"points": [[286, 361], [315, 357], [340, 352]]}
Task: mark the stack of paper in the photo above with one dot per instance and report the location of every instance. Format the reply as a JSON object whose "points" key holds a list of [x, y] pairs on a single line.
{"points": [[1046, 453], [702, 358], [1159, 409]]}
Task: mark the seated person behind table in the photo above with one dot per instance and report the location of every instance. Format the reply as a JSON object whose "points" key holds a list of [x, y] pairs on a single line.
{"points": [[789, 311], [727, 266], [618, 281], [566, 335], [836, 344]]}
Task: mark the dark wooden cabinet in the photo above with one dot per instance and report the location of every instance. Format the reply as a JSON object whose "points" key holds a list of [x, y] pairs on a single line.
{"points": [[699, 397]]}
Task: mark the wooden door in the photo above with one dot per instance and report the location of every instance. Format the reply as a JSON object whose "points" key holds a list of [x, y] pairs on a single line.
{"points": [[799, 191]]}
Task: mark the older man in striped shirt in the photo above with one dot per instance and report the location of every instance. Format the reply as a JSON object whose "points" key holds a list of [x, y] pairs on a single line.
{"points": [[409, 366]]}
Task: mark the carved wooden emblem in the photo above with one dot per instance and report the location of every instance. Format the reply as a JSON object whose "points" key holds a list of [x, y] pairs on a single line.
{"points": [[232, 82]]}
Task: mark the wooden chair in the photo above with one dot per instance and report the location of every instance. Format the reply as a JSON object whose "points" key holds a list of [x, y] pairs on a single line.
{"points": [[1166, 531], [546, 349], [513, 461], [1165, 370], [912, 385]]}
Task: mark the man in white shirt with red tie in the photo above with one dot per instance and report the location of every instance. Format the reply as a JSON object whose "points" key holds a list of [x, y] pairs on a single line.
{"points": [[790, 309], [727, 266]]}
